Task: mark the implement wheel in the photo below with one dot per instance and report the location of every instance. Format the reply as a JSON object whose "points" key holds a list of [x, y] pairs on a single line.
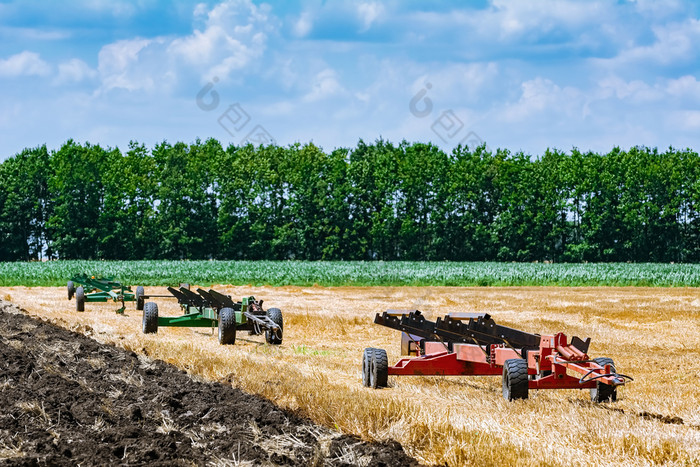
{"points": [[227, 326], [150, 318], [515, 383], [80, 299], [71, 289], [604, 392], [366, 365], [275, 314], [139, 297], [378, 369]]}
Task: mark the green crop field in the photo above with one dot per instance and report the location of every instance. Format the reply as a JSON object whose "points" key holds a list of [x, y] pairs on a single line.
{"points": [[354, 273]]}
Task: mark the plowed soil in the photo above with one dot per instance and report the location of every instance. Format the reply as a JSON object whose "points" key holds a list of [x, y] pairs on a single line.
{"points": [[68, 400]]}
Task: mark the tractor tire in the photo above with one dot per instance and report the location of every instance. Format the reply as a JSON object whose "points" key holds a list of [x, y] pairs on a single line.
{"points": [[80, 298], [366, 365], [275, 314], [139, 298], [71, 289], [227, 326], [515, 382], [150, 318], [604, 392], [379, 369]]}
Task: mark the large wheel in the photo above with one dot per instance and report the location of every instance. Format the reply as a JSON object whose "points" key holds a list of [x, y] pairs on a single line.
{"points": [[227, 326], [150, 318], [139, 297], [80, 299], [366, 365], [515, 383], [379, 369], [275, 314], [604, 392], [71, 289]]}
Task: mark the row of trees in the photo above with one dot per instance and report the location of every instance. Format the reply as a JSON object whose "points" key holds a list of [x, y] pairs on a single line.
{"points": [[374, 201]]}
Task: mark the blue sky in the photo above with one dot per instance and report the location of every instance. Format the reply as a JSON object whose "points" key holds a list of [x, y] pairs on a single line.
{"points": [[523, 75]]}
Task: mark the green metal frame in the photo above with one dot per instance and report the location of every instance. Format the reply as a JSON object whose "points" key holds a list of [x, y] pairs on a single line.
{"points": [[108, 288], [201, 318]]}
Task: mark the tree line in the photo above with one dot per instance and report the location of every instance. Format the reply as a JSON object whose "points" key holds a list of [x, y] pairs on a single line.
{"points": [[409, 201]]}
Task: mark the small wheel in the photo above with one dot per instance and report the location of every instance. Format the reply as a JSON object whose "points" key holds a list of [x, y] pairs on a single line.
{"points": [[515, 383], [80, 298], [150, 318], [366, 365], [71, 289], [379, 369], [275, 314], [227, 326], [139, 297], [604, 392]]}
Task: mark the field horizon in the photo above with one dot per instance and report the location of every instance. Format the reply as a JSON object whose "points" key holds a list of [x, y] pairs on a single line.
{"points": [[353, 273]]}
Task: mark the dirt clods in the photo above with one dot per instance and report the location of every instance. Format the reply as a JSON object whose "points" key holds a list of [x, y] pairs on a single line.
{"points": [[69, 400]]}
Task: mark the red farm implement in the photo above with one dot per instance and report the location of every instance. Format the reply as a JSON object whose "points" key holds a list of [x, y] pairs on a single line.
{"points": [[464, 344]]}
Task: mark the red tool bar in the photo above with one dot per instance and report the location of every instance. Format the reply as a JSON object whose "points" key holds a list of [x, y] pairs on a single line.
{"points": [[590, 370], [443, 363]]}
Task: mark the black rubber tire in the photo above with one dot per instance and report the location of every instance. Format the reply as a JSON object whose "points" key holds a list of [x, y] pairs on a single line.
{"points": [[604, 392], [227, 326], [366, 365], [379, 369], [150, 318], [71, 289], [515, 382], [80, 298], [275, 314], [139, 297]]}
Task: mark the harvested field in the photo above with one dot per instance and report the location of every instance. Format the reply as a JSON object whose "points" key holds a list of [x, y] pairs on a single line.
{"points": [[652, 334]]}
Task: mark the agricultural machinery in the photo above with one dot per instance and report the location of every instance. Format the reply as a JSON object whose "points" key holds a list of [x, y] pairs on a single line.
{"points": [[211, 309], [101, 289], [474, 345]]}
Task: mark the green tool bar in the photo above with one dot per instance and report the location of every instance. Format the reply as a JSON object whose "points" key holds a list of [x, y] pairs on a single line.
{"points": [[107, 296], [190, 320]]}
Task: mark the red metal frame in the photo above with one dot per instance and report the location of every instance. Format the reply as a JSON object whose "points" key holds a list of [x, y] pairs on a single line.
{"points": [[553, 366]]}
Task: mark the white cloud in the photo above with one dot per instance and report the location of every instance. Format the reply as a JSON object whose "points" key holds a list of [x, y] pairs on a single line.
{"points": [[235, 34], [302, 27], [120, 9], [43, 34], [686, 119], [542, 98], [24, 64], [685, 87], [632, 91], [675, 43], [74, 71], [117, 65], [325, 85], [369, 13], [528, 20], [656, 9]]}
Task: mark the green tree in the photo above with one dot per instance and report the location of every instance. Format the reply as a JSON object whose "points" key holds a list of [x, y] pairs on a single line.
{"points": [[373, 197], [77, 194], [186, 200], [24, 205]]}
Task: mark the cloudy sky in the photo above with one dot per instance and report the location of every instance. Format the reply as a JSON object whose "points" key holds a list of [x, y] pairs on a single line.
{"points": [[523, 75]]}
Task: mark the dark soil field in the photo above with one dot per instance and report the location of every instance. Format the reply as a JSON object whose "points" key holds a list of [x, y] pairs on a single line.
{"points": [[68, 400]]}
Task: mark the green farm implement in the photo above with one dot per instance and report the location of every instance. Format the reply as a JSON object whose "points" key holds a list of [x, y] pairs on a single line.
{"points": [[101, 289], [211, 309]]}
